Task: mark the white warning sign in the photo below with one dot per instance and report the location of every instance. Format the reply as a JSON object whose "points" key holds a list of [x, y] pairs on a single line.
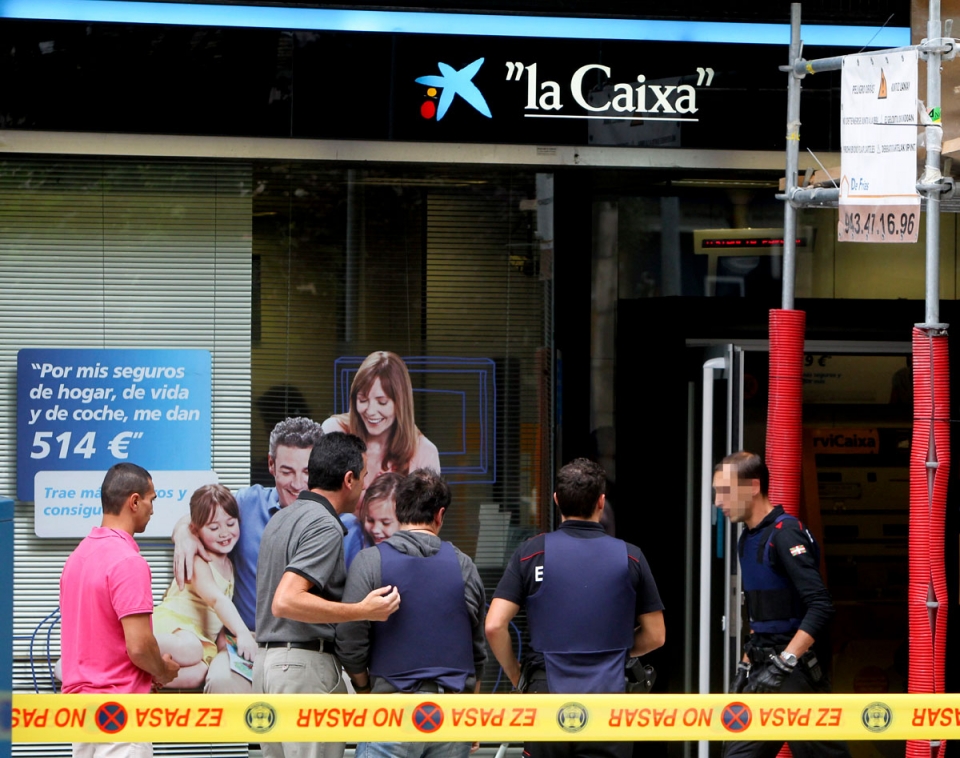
{"points": [[878, 137]]}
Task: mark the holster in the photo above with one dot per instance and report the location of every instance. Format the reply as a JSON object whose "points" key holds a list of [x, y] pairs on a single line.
{"points": [[640, 677], [527, 670]]}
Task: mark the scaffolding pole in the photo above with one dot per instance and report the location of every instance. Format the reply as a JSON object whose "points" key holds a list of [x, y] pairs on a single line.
{"points": [[793, 159], [932, 185], [931, 181]]}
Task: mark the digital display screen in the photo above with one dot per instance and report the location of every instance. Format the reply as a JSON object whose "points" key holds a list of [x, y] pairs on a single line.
{"points": [[747, 242]]}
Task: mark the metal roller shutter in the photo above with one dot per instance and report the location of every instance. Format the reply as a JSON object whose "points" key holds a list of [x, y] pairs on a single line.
{"points": [[119, 253]]}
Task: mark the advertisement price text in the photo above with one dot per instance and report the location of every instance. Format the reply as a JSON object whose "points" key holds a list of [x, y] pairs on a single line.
{"points": [[89, 409]]}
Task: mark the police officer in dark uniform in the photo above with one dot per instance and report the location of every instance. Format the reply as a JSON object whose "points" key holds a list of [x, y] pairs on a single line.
{"points": [[787, 603], [591, 602]]}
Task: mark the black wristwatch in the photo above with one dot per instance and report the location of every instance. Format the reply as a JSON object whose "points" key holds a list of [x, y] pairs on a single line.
{"points": [[358, 688]]}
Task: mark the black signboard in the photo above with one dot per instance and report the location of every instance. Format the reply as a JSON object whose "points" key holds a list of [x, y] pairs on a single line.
{"points": [[409, 87]]}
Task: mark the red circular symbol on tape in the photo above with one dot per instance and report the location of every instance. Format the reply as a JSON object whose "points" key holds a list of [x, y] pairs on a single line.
{"points": [[428, 717], [736, 717], [111, 718]]}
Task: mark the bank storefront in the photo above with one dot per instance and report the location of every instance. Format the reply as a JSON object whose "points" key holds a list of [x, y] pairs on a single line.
{"points": [[291, 194]]}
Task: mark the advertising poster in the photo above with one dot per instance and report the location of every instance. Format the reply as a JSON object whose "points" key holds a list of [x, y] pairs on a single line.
{"points": [[81, 411]]}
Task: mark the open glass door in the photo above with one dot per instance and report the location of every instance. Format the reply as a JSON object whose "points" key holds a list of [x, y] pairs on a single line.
{"points": [[857, 424], [721, 434]]}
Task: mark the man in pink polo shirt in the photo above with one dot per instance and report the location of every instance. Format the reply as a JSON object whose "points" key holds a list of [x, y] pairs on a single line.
{"points": [[106, 607]]}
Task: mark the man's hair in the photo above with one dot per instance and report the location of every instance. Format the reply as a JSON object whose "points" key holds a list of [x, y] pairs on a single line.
{"points": [[294, 432], [748, 466], [333, 455], [206, 500], [420, 497], [579, 486], [121, 481]]}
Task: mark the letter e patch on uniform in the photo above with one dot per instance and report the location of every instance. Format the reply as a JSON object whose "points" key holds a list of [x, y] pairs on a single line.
{"points": [[798, 550]]}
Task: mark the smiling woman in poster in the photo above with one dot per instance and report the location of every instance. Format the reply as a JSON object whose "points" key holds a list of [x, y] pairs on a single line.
{"points": [[381, 414]]}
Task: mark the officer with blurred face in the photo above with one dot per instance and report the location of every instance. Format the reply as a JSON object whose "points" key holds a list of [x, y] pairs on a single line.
{"points": [[787, 603]]}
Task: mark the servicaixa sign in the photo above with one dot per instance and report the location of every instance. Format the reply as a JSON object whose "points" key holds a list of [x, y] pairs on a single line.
{"points": [[846, 441]]}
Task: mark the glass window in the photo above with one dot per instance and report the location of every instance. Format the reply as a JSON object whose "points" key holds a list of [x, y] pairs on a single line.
{"points": [[449, 271]]}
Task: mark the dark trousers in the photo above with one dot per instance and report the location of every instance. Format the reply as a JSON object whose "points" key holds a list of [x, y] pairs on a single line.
{"points": [[569, 749], [799, 681]]}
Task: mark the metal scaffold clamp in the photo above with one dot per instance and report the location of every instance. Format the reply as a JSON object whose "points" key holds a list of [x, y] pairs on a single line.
{"points": [[945, 185], [933, 330], [946, 46]]}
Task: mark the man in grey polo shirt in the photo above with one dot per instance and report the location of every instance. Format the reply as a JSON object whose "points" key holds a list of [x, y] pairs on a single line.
{"points": [[300, 580]]}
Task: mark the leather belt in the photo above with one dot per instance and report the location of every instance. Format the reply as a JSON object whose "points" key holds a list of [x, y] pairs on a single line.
{"points": [[317, 646]]}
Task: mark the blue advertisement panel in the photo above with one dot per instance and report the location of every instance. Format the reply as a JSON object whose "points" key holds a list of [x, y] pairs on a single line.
{"points": [[85, 410]]}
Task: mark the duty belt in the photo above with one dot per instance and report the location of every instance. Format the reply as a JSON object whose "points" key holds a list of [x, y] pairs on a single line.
{"points": [[639, 678], [760, 654]]}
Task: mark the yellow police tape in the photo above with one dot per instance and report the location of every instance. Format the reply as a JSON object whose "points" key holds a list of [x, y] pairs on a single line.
{"points": [[486, 718]]}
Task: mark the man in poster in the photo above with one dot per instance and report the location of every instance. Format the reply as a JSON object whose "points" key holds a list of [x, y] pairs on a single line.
{"points": [[290, 444]]}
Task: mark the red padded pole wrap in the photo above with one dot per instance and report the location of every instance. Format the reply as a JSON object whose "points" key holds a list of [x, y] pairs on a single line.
{"points": [[785, 414], [929, 470], [785, 407]]}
